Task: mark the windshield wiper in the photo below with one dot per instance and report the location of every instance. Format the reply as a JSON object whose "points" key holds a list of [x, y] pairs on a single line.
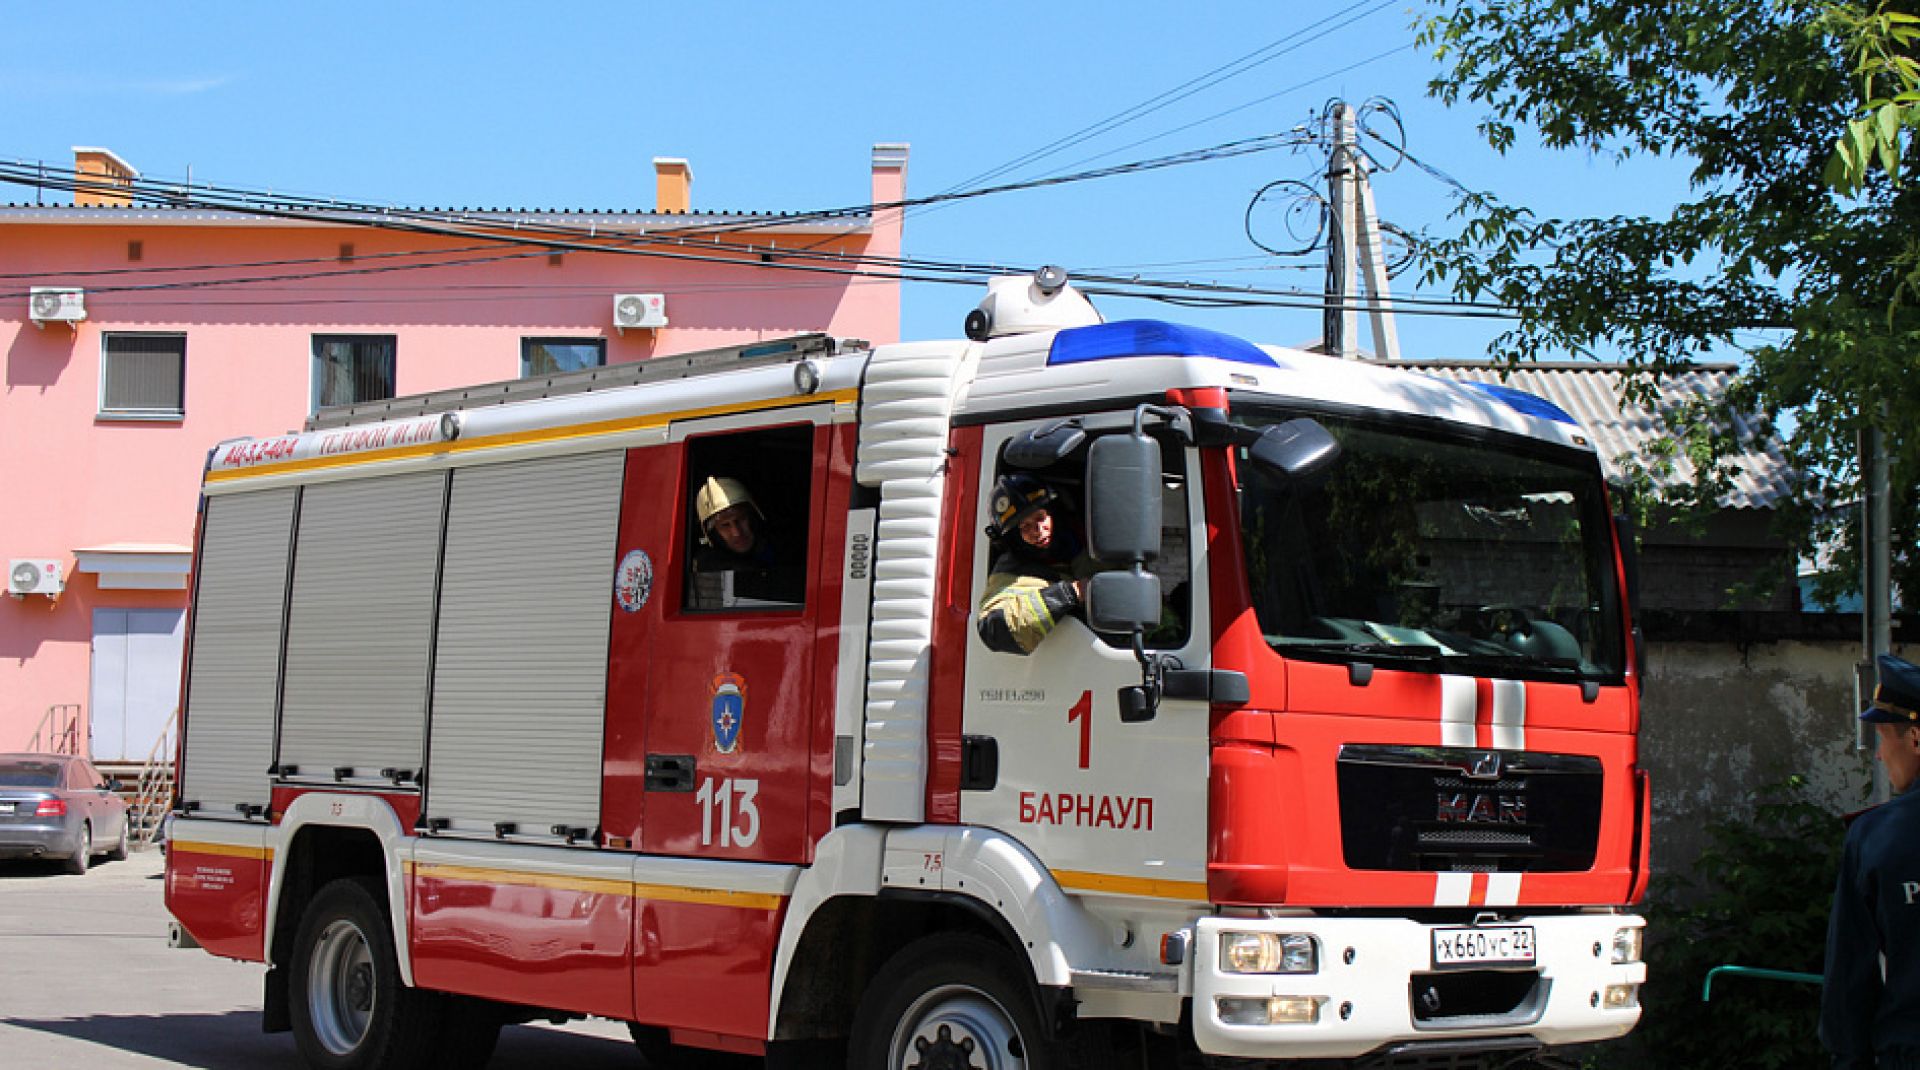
{"points": [[1428, 654], [1529, 663], [1393, 651]]}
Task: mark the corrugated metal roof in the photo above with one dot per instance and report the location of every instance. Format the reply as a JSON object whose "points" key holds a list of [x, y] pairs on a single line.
{"points": [[1761, 477], [617, 220]]}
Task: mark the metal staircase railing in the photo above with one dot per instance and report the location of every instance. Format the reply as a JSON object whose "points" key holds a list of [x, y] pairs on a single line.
{"points": [[59, 731], [153, 795]]}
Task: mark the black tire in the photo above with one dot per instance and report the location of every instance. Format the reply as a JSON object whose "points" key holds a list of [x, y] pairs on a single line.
{"points": [[469, 1031], [82, 854], [350, 1011], [962, 993], [118, 852]]}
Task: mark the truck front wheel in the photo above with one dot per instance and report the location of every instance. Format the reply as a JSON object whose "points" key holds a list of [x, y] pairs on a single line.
{"points": [[350, 1011], [952, 1001]]}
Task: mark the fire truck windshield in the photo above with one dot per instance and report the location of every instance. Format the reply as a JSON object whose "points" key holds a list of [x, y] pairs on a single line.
{"points": [[1436, 552]]}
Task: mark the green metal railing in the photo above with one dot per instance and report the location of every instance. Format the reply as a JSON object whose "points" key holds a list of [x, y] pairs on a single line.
{"points": [[1706, 989]]}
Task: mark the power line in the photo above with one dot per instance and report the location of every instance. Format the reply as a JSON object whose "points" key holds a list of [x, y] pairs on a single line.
{"points": [[463, 224], [1357, 64], [1233, 68], [17, 173], [549, 238]]}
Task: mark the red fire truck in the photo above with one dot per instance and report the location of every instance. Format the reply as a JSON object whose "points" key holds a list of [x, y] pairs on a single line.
{"points": [[1337, 760]]}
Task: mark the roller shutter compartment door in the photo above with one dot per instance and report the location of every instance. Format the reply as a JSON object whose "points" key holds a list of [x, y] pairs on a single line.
{"points": [[519, 683], [234, 677], [360, 627]]}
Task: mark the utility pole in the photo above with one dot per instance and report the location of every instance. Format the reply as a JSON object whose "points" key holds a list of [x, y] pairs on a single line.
{"points": [[1876, 588], [1354, 256]]}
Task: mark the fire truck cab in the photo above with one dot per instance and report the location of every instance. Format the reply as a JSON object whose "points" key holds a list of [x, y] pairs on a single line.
{"points": [[1336, 760]]}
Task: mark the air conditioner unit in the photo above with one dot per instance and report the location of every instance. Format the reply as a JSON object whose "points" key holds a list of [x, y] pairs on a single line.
{"points": [[34, 575], [56, 304], [644, 311]]}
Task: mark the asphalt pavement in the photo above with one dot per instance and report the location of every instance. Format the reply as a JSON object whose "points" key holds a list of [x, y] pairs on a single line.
{"points": [[87, 980]]}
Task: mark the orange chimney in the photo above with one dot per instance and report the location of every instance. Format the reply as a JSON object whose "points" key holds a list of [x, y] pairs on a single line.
{"points": [[672, 184], [102, 178]]}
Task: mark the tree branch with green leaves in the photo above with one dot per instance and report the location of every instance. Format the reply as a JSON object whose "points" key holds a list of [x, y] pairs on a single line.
{"points": [[1748, 97]]}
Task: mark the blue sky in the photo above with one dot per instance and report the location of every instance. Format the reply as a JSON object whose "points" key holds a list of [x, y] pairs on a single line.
{"points": [[777, 106]]}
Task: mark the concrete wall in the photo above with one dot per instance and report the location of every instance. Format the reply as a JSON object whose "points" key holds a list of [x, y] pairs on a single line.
{"points": [[1720, 720]]}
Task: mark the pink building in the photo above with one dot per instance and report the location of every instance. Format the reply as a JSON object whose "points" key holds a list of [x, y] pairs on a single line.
{"points": [[140, 326]]}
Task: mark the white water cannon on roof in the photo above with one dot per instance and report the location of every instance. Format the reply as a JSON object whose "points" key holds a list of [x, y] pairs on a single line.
{"points": [[1022, 304]]}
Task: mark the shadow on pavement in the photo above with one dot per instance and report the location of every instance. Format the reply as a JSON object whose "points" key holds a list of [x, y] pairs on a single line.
{"points": [[228, 1041], [23, 869], [233, 1041]]}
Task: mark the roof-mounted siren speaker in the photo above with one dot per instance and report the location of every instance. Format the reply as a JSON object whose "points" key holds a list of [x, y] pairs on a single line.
{"points": [[645, 312], [56, 304], [33, 575], [1022, 304]]}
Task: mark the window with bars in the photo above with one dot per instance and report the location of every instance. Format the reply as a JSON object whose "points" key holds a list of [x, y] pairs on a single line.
{"points": [[551, 356], [143, 376], [352, 368]]}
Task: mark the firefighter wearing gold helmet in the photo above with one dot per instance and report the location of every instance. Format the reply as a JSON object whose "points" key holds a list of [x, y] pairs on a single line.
{"points": [[735, 541]]}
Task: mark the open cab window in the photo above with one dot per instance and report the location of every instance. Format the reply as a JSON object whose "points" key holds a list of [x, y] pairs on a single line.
{"points": [[746, 506], [1174, 566]]}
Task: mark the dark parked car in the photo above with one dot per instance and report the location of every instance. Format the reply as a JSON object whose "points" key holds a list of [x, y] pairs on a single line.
{"points": [[59, 806]]}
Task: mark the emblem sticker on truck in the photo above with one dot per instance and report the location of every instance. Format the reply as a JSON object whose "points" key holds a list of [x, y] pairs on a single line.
{"points": [[727, 710], [633, 581]]}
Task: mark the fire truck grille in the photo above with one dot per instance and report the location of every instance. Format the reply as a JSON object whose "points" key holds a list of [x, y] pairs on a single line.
{"points": [[1461, 809], [1473, 835]]}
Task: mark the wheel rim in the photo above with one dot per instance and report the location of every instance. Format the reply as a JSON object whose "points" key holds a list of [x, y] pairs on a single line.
{"points": [[956, 1027], [340, 987]]}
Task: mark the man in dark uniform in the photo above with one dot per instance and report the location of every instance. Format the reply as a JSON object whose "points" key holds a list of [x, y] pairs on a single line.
{"points": [[1870, 1005], [1037, 577]]}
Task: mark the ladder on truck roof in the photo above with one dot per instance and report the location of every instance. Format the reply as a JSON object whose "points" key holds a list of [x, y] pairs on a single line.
{"points": [[653, 369]]}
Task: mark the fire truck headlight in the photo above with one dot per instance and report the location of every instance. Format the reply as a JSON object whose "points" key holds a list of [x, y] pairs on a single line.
{"points": [[1276, 1010], [1269, 953], [1626, 945]]}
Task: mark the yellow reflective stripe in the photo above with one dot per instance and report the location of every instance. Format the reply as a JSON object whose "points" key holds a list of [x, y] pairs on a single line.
{"points": [[671, 893], [1185, 891], [225, 850], [480, 875], [720, 897], [523, 438]]}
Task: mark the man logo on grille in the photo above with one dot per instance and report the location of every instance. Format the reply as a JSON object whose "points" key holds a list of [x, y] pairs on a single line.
{"points": [[1486, 766]]}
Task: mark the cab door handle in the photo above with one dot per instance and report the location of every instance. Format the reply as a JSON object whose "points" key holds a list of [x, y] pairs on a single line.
{"points": [[669, 772]]}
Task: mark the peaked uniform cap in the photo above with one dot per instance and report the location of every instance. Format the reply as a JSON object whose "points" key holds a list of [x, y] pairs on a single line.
{"points": [[1897, 699]]}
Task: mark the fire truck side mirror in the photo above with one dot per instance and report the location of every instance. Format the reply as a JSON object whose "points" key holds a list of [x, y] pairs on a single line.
{"points": [[1623, 530], [1119, 602], [1123, 499], [1301, 450]]}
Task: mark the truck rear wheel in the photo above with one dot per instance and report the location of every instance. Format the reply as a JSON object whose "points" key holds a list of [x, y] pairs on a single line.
{"points": [[951, 1001], [350, 1011]]}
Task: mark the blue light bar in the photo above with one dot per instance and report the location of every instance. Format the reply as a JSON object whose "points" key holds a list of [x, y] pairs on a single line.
{"points": [[1521, 401], [1150, 338]]}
